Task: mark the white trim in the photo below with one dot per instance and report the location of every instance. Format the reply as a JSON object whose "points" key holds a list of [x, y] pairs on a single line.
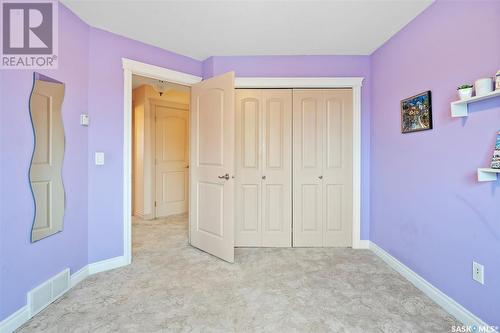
{"points": [[21, 316], [160, 73], [446, 302], [15, 320], [108, 264], [127, 164], [298, 82], [356, 166], [79, 276], [364, 244], [131, 67]]}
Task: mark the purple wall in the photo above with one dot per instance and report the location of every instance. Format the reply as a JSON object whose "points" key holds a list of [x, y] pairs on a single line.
{"points": [[24, 265], [311, 66], [106, 132], [427, 208]]}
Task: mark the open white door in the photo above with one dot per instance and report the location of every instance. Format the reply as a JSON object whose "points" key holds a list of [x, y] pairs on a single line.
{"points": [[211, 204]]}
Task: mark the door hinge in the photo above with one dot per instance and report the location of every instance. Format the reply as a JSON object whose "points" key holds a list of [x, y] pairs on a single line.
{"points": [[155, 203]]}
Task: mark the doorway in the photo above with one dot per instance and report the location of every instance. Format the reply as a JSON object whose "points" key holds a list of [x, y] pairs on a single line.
{"points": [[160, 148]]}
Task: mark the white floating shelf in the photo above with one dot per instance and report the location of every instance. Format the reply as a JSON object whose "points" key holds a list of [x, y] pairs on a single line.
{"points": [[487, 174], [460, 108]]}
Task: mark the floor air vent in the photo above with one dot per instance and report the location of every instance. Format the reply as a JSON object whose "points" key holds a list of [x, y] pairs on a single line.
{"points": [[48, 292]]}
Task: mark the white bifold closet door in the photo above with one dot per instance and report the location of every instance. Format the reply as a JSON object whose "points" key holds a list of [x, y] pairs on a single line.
{"points": [[263, 167], [322, 167]]}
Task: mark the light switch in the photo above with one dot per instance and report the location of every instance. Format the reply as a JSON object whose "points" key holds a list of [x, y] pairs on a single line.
{"points": [[99, 158], [84, 119]]}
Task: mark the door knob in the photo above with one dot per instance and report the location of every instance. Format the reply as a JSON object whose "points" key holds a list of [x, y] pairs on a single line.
{"points": [[320, 177], [263, 177], [226, 177]]}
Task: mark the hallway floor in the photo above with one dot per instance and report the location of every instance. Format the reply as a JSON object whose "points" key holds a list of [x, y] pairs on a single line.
{"points": [[172, 287]]}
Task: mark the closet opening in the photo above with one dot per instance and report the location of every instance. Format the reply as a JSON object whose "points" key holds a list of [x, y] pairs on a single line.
{"points": [[294, 168]]}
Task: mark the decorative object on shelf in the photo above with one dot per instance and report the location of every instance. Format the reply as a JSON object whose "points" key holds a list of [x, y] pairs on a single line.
{"points": [[497, 80], [416, 113], [483, 86], [465, 91], [495, 160]]}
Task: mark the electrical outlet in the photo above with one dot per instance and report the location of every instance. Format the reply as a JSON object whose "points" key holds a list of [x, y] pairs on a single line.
{"points": [[478, 272]]}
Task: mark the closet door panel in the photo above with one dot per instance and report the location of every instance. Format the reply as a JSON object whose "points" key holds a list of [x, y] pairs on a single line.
{"points": [[248, 230], [308, 110], [277, 168], [337, 174]]}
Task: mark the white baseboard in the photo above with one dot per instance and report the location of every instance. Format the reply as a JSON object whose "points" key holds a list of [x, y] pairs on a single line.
{"points": [[106, 265], [15, 320], [364, 244], [21, 316], [79, 276], [446, 302]]}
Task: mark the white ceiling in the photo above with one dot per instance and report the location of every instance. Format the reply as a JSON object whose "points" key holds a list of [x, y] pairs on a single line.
{"points": [[200, 29]]}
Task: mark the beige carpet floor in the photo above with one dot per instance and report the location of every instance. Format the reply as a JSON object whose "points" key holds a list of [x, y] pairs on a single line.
{"points": [[172, 287]]}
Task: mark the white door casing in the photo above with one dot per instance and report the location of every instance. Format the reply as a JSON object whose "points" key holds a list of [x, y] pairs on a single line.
{"points": [[263, 167], [211, 209], [171, 160], [323, 175]]}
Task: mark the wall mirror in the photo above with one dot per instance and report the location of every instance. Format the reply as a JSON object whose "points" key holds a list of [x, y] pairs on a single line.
{"points": [[46, 163]]}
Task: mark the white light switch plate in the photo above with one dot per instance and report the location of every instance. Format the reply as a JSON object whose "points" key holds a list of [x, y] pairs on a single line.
{"points": [[99, 158], [84, 119], [478, 272]]}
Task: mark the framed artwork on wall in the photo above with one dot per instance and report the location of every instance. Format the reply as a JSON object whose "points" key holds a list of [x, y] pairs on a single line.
{"points": [[416, 113]]}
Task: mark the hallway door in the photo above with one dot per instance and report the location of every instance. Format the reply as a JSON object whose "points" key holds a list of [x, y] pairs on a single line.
{"points": [[171, 161], [211, 211]]}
